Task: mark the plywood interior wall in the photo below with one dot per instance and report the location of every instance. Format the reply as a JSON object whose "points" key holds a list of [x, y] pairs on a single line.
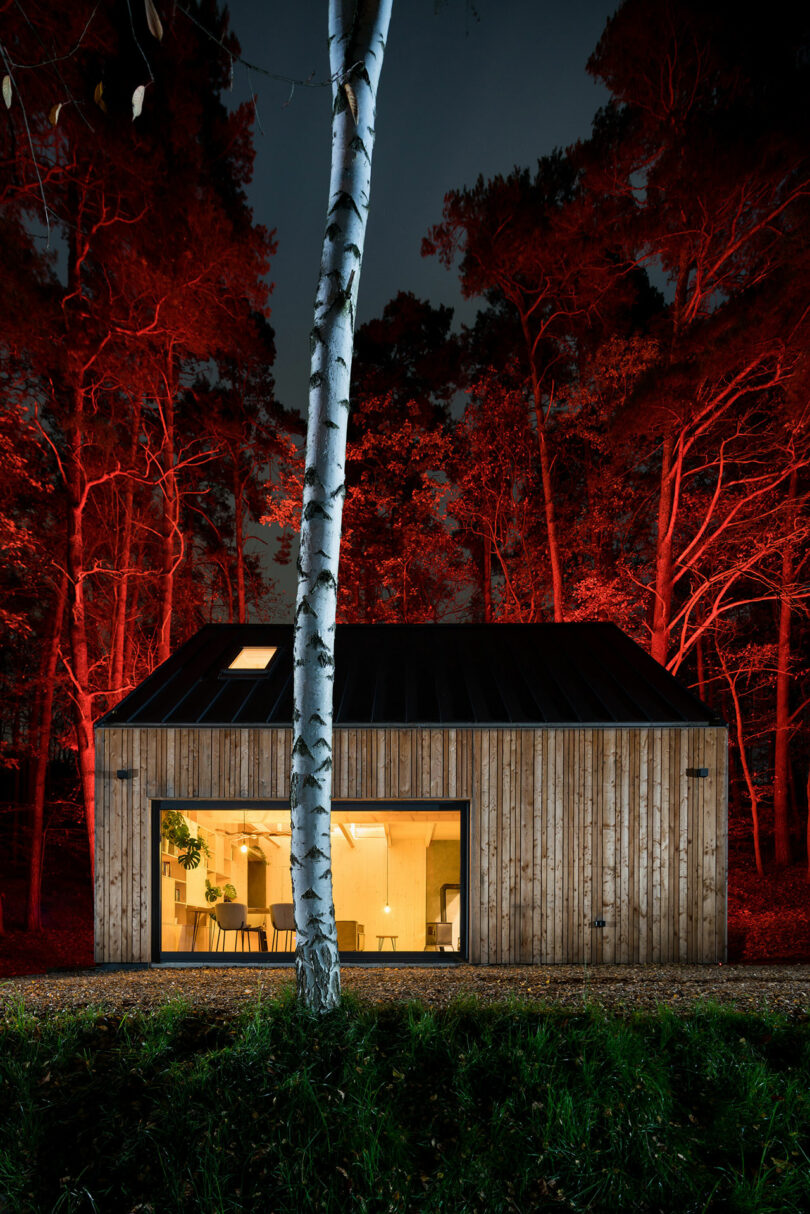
{"points": [[566, 826]]}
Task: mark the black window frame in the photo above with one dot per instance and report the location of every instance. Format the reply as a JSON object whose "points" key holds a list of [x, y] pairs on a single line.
{"points": [[367, 956]]}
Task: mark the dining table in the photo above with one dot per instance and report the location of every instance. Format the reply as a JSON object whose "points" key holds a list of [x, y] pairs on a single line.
{"points": [[201, 911]]}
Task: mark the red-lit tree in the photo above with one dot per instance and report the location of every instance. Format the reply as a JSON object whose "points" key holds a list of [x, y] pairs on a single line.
{"points": [[704, 135], [398, 560], [399, 563], [543, 246], [672, 432], [494, 501], [708, 136], [252, 437], [151, 292]]}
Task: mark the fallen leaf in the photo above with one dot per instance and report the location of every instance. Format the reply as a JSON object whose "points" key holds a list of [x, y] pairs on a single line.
{"points": [[7, 91], [137, 101]]}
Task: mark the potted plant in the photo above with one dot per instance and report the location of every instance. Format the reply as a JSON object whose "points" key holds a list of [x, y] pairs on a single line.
{"points": [[212, 892]]}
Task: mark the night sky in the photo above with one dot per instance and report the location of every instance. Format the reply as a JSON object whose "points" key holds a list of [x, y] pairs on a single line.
{"points": [[460, 96]]}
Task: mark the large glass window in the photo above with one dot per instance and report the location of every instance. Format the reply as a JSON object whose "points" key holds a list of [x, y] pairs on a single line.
{"points": [[225, 879], [396, 875]]}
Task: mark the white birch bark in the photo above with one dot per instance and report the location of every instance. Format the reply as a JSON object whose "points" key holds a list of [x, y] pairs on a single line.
{"points": [[357, 34]]}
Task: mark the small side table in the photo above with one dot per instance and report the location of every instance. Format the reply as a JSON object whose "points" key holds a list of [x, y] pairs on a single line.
{"points": [[387, 936]]}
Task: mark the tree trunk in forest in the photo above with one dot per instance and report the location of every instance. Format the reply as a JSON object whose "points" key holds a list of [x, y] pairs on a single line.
{"points": [[662, 602], [551, 521], [43, 739], [701, 669], [736, 807], [545, 476], [781, 765], [77, 624], [487, 579], [169, 526], [731, 680], [239, 538], [135, 597], [357, 34], [120, 614]]}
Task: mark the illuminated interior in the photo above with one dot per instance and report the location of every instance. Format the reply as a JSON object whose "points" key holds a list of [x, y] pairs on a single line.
{"points": [[406, 861]]}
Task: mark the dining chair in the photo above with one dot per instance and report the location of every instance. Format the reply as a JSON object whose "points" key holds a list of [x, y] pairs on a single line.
{"points": [[232, 917], [282, 918]]}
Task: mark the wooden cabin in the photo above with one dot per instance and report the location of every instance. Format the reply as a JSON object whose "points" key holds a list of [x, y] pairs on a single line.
{"points": [[506, 793]]}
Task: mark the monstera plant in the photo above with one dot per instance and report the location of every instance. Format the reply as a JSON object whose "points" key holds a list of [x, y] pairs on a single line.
{"points": [[174, 829]]}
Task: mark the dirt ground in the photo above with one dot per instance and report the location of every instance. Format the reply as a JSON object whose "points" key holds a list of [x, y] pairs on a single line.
{"points": [[785, 989], [769, 932]]}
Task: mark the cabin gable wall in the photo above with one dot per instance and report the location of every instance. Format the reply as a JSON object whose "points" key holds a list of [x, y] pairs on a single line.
{"points": [[567, 826]]}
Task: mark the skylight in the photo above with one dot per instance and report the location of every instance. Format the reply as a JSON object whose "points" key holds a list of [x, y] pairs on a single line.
{"points": [[256, 657]]}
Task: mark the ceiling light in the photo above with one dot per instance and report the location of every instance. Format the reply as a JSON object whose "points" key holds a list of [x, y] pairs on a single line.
{"points": [[387, 907]]}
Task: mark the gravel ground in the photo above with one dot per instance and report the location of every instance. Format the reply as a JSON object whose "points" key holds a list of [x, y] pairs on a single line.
{"points": [[748, 988]]}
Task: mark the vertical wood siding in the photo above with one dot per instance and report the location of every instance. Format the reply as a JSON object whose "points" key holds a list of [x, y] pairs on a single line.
{"points": [[566, 826]]}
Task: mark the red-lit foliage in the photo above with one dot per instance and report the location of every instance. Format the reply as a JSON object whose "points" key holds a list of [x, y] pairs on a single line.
{"points": [[624, 432], [712, 129], [643, 455], [136, 349], [540, 246], [628, 451], [399, 562]]}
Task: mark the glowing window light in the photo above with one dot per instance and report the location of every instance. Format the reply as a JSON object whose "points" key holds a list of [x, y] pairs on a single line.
{"points": [[255, 657]]}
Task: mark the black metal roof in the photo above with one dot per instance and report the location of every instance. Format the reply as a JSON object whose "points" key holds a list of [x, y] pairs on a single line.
{"points": [[423, 674]]}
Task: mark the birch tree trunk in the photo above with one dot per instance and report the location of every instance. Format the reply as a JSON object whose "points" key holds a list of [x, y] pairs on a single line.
{"points": [[357, 34]]}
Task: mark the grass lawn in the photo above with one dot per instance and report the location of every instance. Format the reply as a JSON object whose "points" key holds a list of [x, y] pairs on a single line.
{"points": [[507, 1107]]}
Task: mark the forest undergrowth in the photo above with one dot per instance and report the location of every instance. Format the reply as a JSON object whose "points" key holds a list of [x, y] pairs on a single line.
{"points": [[467, 1108]]}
